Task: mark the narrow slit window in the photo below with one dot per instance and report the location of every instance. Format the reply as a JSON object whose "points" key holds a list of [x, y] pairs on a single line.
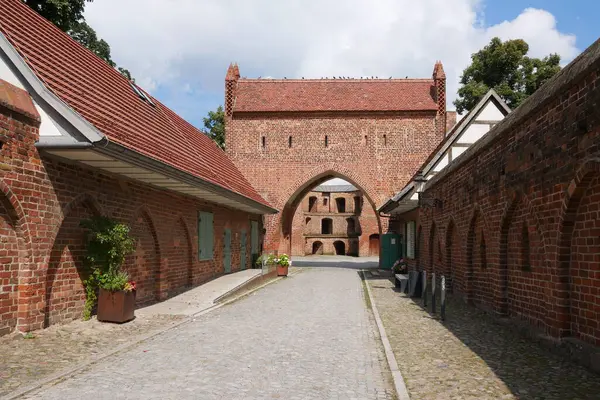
{"points": [[290, 141], [263, 142], [326, 141], [365, 142], [385, 140]]}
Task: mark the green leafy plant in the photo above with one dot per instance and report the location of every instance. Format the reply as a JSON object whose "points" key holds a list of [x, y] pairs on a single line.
{"points": [[108, 243], [28, 335], [283, 260]]}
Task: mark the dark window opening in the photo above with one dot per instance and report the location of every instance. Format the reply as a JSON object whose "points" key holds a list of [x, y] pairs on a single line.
{"points": [[290, 141], [351, 225], [307, 220], [326, 226], [325, 201], [384, 140], [326, 141], [341, 205], [264, 142], [357, 205], [312, 204]]}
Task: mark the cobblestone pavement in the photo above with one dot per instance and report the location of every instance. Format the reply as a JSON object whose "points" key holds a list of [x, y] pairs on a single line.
{"points": [[309, 336], [472, 356], [23, 361]]}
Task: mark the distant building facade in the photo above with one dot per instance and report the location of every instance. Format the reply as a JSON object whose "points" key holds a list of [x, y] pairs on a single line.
{"points": [[333, 220]]}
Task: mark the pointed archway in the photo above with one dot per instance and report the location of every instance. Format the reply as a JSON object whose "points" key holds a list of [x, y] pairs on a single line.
{"points": [[281, 237]]}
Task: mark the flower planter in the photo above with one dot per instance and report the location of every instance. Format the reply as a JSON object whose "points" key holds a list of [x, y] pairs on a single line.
{"points": [[282, 271], [116, 307]]}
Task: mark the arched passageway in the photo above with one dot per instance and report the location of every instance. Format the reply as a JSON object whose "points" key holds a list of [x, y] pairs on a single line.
{"points": [[317, 248], [340, 248], [374, 245], [285, 235]]}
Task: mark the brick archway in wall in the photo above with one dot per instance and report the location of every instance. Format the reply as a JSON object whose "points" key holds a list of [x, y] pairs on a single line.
{"points": [[279, 226]]}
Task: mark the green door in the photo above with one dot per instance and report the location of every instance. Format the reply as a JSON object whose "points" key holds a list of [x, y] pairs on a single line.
{"points": [[391, 249], [243, 250], [227, 251]]}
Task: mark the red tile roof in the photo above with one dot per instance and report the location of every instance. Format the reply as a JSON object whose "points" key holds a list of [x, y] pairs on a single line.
{"points": [[104, 97], [304, 95]]}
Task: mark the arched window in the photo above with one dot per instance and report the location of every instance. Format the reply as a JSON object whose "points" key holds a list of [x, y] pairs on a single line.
{"points": [[326, 226]]}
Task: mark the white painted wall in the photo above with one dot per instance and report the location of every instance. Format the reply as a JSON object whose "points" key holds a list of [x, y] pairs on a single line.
{"points": [[473, 133], [47, 127], [490, 113]]}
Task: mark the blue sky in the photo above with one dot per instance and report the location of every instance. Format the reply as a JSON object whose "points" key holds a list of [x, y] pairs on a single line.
{"points": [[579, 17], [181, 53]]}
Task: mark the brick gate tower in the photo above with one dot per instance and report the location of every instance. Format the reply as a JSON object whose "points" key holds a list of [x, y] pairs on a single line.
{"points": [[287, 136]]}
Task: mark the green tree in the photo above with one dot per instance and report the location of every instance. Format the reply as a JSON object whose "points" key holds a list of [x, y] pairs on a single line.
{"points": [[214, 125], [62, 13], [68, 16], [505, 67]]}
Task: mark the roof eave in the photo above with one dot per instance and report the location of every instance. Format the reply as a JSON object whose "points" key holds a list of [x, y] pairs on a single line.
{"points": [[44, 95], [393, 202], [123, 153]]}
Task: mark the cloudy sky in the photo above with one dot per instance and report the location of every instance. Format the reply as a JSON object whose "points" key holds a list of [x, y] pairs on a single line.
{"points": [[180, 49]]}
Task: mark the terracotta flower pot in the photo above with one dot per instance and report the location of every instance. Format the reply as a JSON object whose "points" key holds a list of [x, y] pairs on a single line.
{"points": [[282, 271], [116, 307]]}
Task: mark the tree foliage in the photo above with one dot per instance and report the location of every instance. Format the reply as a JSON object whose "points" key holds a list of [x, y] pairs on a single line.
{"points": [[505, 67], [214, 125], [62, 13], [68, 16]]}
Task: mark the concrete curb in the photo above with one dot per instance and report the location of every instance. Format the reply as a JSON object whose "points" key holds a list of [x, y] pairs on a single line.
{"points": [[66, 373], [400, 386]]}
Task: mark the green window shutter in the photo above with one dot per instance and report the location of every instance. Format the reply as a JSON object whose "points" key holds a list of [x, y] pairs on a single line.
{"points": [[205, 236]]}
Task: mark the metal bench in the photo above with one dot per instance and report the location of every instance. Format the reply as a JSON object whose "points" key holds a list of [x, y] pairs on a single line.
{"points": [[401, 281]]}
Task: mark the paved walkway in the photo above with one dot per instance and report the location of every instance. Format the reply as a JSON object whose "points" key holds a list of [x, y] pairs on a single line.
{"points": [[201, 298], [309, 336], [60, 347], [471, 356]]}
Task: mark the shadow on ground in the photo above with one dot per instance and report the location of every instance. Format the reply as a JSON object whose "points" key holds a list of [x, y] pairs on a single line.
{"points": [[529, 370], [348, 262]]}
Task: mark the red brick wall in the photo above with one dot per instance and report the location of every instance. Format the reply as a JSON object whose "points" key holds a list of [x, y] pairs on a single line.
{"points": [[42, 201], [365, 222], [521, 208], [377, 152]]}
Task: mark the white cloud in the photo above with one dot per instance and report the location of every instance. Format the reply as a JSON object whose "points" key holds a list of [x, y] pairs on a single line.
{"points": [[189, 43]]}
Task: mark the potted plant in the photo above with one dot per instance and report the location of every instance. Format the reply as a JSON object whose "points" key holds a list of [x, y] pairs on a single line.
{"points": [[283, 262], [400, 267], [108, 244]]}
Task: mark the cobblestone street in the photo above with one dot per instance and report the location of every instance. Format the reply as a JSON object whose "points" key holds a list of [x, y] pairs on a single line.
{"points": [[309, 336], [471, 356]]}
